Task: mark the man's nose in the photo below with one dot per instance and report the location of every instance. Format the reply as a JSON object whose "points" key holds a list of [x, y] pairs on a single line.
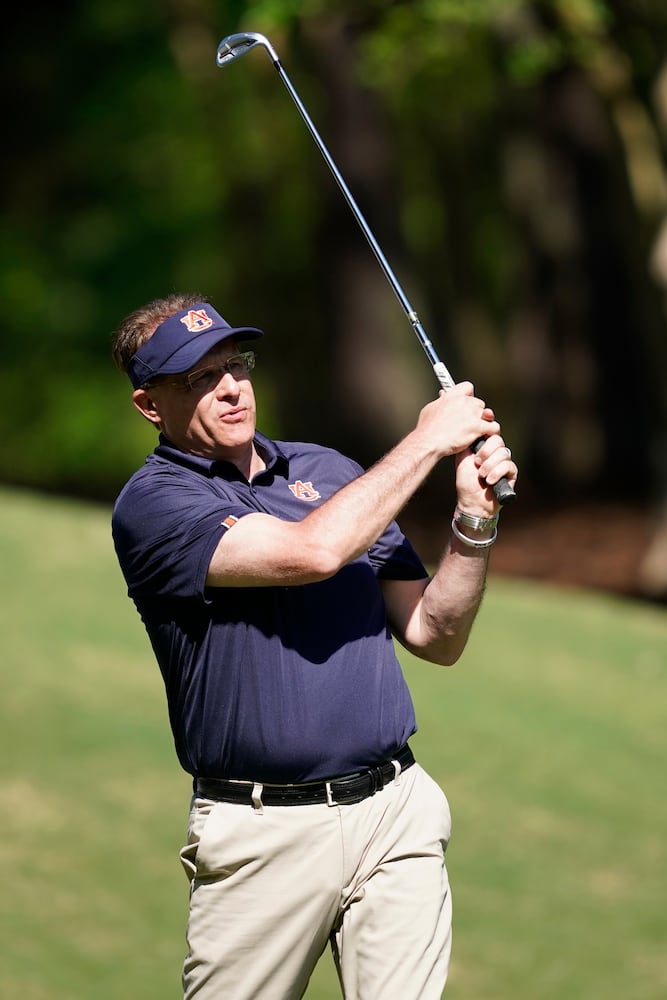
{"points": [[227, 384]]}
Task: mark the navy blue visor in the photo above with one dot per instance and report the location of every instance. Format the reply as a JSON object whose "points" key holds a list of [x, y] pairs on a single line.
{"points": [[181, 341]]}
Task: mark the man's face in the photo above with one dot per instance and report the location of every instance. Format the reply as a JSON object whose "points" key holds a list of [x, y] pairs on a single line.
{"points": [[215, 417]]}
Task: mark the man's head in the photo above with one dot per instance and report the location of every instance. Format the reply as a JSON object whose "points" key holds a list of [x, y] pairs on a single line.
{"points": [[190, 375]]}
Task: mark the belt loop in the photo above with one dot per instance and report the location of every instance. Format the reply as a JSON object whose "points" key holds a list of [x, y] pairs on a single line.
{"points": [[330, 799], [257, 790], [397, 771]]}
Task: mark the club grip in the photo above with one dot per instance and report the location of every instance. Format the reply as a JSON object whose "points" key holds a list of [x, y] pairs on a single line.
{"points": [[502, 490]]}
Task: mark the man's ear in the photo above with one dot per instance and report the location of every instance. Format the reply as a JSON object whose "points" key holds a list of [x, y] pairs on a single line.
{"points": [[146, 405]]}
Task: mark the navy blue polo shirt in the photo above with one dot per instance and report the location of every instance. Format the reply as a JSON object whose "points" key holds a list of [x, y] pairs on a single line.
{"points": [[274, 684]]}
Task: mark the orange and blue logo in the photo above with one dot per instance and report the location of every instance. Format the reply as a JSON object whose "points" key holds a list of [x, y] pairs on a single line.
{"points": [[304, 491], [197, 320]]}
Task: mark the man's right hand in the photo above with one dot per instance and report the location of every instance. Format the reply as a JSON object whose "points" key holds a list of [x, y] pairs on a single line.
{"points": [[453, 421]]}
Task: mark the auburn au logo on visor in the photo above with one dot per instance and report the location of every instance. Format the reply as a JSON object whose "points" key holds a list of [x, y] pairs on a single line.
{"points": [[197, 320]]}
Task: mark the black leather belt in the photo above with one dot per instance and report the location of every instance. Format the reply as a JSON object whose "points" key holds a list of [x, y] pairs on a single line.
{"points": [[339, 791]]}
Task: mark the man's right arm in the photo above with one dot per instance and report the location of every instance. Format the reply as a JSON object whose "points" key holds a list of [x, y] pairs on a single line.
{"points": [[261, 550]]}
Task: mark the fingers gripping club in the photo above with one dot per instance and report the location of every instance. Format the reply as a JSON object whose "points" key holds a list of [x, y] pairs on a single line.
{"points": [[234, 46]]}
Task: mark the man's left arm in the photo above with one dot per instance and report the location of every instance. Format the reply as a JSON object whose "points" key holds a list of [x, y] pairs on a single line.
{"points": [[433, 618]]}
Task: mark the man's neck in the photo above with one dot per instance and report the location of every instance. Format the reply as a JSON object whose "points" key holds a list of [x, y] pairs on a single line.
{"points": [[249, 462], [257, 463]]}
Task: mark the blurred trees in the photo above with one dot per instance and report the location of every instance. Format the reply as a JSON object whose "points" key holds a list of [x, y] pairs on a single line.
{"points": [[508, 155]]}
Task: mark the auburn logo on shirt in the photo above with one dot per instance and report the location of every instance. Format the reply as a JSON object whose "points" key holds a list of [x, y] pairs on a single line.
{"points": [[196, 320], [304, 491]]}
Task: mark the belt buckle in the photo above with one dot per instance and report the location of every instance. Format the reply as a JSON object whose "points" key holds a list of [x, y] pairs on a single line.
{"points": [[330, 799]]}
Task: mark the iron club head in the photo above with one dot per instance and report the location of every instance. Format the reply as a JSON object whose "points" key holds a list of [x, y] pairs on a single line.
{"points": [[234, 46]]}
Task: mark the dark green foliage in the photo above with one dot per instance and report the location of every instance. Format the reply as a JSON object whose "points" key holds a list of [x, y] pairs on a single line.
{"points": [[498, 149]]}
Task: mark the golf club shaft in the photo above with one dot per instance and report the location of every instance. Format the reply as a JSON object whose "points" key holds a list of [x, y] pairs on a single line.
{"points": [[236, 45]]}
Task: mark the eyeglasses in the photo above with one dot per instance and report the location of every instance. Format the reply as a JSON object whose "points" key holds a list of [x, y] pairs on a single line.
{"points": [[206, 379]]}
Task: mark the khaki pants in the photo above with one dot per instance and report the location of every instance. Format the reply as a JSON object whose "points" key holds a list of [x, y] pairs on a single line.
{"points": [[269, 888]]}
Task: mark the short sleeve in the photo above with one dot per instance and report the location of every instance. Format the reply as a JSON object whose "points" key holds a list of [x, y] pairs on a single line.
{"points": [[165, 530], [393, 557]]}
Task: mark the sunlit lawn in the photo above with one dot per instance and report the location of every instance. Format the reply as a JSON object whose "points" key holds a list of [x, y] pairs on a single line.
{"points": [[550, 738]]}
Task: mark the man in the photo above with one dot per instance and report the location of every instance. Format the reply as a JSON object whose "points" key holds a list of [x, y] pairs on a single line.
{"points": [[270, 577]]}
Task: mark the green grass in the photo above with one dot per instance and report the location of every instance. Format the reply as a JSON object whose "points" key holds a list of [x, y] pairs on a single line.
{"points": [[550, 738]]}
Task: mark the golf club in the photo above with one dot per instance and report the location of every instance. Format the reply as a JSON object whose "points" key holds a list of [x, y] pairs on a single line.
{"points": [[231, 48]]}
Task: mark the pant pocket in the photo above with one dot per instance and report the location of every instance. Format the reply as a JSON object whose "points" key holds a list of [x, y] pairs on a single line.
{"points": [[200, 814]]}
